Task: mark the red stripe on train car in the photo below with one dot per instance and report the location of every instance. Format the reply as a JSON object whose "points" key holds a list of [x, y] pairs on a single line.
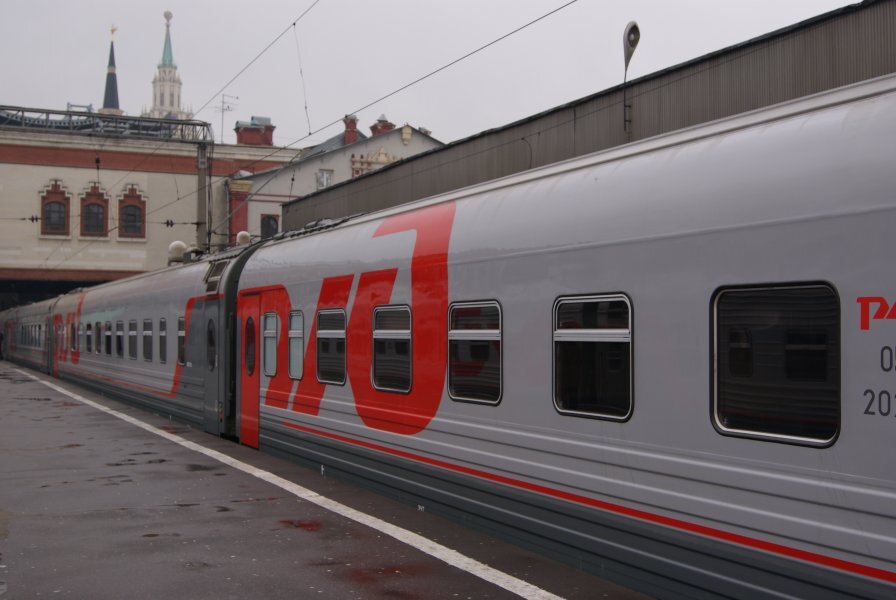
{"points": [[711, 532]]}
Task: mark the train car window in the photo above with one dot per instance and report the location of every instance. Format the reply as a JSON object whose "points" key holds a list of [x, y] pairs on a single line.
{"points": [[474, 352], [89, 338], [132, 339], [777, 363], [392, 348], [593, 357], [296, 344], [250, 347], [80, 342], [269, 344], [147, 340], [181, 341], [119, 339], [107, 333], [331, 346], [163, 341], [213, 275], [73, 338], [211, 346], [98, 337]]}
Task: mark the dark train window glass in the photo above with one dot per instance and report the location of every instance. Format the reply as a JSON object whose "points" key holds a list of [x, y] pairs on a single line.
{"points": [[73, 338], [119, 339], [296, 344], [474, 352], [147, 339], [213, 276], [163, 341], [331, 346], [791, 390], [181, 341], [593, 357], [269, 226], [211, 346], [806, 354], [107, 334], [740, 352], [79, 345], [392, 349], [250, 347], [269, 344], [132, 340], [89, 338]]}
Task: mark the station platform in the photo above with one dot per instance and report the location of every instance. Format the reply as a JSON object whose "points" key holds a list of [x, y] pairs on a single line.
{"points": [[101, 500]]}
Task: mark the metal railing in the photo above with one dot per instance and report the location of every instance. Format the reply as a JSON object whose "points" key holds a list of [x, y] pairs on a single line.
{"points": [[61, 121]]}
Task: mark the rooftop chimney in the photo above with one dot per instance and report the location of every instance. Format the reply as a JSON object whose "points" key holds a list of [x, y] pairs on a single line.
{"points": [[257, 132], [381, 126], [351, 130]]}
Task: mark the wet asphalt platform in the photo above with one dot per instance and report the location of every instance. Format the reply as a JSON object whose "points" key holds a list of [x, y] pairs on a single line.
{"points": [[93, 507]]}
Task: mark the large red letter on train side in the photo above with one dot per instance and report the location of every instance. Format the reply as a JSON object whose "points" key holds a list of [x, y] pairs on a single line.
{"points": [[406, 413], [334, 292]]}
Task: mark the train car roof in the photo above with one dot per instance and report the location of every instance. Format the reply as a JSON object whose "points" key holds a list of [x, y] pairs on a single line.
{"points": [[636, 164]]}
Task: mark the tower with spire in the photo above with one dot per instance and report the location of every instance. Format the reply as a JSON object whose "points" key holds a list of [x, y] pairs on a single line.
{"points": [[166, 85], [110, 97]]}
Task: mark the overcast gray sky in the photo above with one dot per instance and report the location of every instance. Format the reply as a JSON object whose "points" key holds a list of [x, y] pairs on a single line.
{"points": [[356, 51]]}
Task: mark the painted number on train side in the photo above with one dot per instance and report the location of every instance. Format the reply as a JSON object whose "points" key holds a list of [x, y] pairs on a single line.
{"points": [[881, 403]]}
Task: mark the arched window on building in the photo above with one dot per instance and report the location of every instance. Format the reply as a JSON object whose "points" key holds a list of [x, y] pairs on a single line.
{"points": [[132, 214], [54, 211], [270, 226], [94, 213]]}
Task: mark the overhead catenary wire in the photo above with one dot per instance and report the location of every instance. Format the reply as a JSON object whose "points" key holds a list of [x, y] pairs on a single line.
{"points": [[385, 97], [555, 125]]}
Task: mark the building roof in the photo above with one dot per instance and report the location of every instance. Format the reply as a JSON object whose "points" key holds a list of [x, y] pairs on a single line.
{"points": [[334, 143]]}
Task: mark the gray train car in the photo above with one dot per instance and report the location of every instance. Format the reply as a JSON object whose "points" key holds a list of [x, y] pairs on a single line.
{"points": [[668, 363], [27, 334], [158, 340]]}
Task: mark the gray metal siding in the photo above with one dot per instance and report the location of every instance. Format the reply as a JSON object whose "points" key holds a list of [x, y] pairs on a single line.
{"points": [[849, 45]]}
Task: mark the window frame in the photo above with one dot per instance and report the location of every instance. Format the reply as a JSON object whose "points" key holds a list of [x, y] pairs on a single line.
{"points": [[477, 336], [181, 341], [163, 340], [55, 194], [331, 334], [132, 198], [714, 361], [148, 334], [296, 334], [119, 339], [107, 338], [265, 334], [95, 197], [393, 334], [133, 350], [596, 336]]}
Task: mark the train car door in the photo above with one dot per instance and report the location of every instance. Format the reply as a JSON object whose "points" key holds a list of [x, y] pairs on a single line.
{"points": [[49, 345], [249, 309], [213, 402]]}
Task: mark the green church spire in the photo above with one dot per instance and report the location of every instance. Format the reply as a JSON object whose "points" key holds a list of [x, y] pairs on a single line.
{"points": [[167, 55]]}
